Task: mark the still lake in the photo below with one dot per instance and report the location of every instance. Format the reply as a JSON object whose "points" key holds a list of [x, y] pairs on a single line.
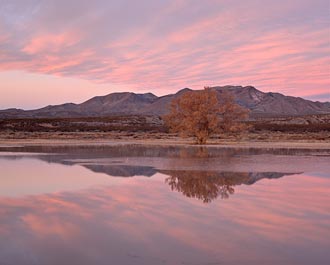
{"points": [[134, 204]]}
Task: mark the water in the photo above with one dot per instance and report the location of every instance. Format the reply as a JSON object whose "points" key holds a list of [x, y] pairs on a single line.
{"points": [[164, 205]]}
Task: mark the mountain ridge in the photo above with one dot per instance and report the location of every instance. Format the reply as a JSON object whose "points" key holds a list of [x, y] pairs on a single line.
{"points": [[259, 103]]}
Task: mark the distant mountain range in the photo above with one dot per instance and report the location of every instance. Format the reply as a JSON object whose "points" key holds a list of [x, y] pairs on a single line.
{"points": [[126, 103]]}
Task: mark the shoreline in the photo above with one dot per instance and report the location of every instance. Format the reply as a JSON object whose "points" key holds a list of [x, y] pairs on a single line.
{"points": [[165, 142]]}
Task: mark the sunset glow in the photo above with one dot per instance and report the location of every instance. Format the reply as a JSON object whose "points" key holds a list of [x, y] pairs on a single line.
{"points": [[60, 51]]}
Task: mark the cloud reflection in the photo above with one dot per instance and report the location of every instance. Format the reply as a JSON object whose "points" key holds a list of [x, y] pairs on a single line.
{"points": [[141, 222]]}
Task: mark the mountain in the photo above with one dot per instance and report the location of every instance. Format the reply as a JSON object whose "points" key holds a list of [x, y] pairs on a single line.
{"points": [[126, 103], [274, 104]]}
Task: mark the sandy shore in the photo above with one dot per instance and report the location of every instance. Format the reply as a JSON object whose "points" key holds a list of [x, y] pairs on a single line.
{"points": [[86, 139]]}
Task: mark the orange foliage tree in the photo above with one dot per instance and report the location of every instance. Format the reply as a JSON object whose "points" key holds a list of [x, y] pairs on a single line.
{"points": [[201, 114]]}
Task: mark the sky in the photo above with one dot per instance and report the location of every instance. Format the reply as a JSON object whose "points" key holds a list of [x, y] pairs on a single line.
{"points": [[56, 51]]}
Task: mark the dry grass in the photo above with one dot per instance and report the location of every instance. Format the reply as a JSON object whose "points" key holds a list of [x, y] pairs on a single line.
{"points": [[88, 124], [263, 136], [144, 128]]}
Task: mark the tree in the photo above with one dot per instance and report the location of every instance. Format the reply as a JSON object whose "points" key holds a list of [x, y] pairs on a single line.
{"points": [[201, 114]]}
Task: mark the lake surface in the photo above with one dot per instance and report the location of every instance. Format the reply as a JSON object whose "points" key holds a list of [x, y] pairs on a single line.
{"points": [[134, 204]]}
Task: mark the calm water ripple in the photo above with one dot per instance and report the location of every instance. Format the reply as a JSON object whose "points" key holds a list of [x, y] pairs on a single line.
{"points": [[164, 205]]}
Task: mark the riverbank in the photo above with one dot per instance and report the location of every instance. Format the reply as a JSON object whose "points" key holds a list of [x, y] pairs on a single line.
{"points": [[319, 140]]}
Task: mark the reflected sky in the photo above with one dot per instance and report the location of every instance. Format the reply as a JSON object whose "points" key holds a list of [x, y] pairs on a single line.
{"points": [[30, 176], [67, 213]]}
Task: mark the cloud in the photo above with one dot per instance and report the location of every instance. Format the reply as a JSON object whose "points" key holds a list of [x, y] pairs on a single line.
{"points": [[166, 45]]}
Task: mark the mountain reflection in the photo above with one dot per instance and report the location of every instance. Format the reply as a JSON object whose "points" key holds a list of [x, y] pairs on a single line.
{"points": [[202, 185], [122, 170], [207, 186], [192, 177]]}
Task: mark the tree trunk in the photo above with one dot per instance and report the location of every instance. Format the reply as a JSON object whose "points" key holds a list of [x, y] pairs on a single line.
{"points": [[201, 140]]}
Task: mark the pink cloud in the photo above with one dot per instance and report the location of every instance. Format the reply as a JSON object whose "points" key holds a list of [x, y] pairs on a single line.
{"points": [[51, 42], [180, 45]]}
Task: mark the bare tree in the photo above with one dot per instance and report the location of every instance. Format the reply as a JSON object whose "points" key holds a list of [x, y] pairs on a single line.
{"points": [[201, 114]]}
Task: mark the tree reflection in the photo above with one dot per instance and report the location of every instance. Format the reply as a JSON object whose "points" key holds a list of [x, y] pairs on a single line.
{"points": [[203, 186], [207, 186]]}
